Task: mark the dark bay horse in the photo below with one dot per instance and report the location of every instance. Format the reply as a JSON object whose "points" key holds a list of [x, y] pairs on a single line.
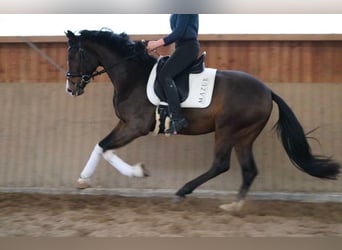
{"points": [[239, 110]]}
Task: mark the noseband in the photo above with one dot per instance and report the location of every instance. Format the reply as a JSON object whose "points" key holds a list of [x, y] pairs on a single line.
{"points": [[85, 79]]}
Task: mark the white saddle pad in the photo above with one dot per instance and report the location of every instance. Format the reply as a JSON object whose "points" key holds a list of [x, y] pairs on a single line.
{"points": [[200, 89]]}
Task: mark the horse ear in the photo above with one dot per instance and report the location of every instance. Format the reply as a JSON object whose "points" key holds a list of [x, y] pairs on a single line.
{"points": [[70, 35]]}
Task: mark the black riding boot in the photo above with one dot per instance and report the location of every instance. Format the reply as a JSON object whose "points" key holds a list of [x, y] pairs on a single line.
{"points": [[178, 121]]}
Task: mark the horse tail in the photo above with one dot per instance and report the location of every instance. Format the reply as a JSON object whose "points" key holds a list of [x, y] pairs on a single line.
{"points": [[297, 147]]}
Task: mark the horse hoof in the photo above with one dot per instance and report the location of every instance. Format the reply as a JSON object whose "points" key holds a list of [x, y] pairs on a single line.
{"points": [[146, 172], [139, 170], [178, 199], [232, 207], [83, 183]]}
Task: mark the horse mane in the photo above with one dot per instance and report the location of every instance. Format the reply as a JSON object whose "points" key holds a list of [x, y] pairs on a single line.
{"points": [[120, 43]]}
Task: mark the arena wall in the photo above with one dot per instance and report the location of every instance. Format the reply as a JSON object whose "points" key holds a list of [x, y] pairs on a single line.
{"points": [[272, 58]]}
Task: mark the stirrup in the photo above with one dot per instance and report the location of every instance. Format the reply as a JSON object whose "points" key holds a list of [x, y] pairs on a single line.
{"points": [[177, 126]]}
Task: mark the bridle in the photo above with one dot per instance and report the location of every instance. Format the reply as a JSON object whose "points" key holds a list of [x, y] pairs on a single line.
{"points": [[86, 78]]}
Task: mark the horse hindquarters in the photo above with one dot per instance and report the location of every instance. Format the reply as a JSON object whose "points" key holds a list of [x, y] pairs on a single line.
{"points": [[242, 106]]}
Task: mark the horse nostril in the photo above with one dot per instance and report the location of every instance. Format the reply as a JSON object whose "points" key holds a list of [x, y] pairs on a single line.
{"points": [[69, 90]]}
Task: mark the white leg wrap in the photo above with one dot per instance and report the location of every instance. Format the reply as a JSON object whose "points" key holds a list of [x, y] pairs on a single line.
{"points": [[92, 163], [123, 167]]}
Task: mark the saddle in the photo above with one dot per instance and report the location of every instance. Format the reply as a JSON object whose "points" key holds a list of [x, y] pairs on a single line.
{"points": [[181, 80], [195, 87]]}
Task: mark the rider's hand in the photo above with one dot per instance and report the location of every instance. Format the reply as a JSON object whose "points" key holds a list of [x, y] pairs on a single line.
{"points": [[152, 45]]}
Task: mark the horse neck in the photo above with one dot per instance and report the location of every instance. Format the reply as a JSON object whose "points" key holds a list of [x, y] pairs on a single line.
{"points": [[122, 71]]}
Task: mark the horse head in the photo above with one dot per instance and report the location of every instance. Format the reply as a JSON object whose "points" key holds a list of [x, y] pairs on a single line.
{"points": [[81, 65]]}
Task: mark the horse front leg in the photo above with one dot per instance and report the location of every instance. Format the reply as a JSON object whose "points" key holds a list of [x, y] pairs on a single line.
{"points": [[121, 135]]}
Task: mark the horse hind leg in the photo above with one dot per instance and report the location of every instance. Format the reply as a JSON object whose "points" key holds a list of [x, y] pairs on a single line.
{"points": [[249, 172]]}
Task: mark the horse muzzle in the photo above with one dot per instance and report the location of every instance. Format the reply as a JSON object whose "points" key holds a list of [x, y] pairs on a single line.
{"points": [[73, 90]]}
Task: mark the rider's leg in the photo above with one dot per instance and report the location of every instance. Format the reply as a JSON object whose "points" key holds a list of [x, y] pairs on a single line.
{"points": [[184, 55], [178, 121]]}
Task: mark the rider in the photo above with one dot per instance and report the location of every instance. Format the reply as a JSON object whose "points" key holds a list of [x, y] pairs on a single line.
{"points": [[185, 36]]}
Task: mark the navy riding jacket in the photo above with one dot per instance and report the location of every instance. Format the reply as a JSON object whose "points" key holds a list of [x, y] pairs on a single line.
{"points": [[184, 28]]}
